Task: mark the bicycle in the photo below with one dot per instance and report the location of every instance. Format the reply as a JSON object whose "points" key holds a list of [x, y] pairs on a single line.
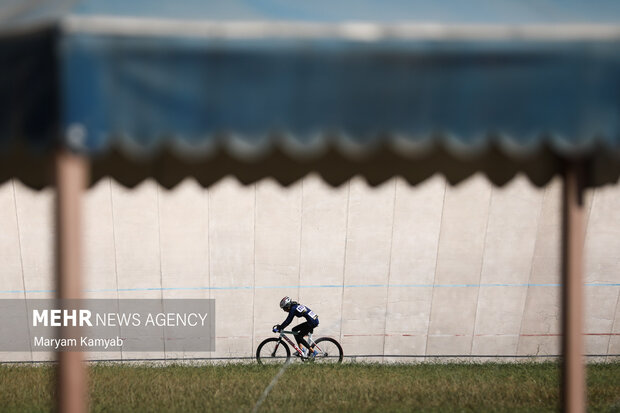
{"points": [[275, 350]]}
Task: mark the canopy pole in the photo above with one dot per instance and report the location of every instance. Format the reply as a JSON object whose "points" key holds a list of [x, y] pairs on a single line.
{"points": [[71, 177], [573, 371]]}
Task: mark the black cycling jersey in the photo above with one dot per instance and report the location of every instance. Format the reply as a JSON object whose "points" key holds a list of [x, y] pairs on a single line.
{"points": [[300, 310]]}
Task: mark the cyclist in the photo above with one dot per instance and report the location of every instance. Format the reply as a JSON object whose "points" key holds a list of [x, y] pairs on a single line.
{"points": [[294, 309]]}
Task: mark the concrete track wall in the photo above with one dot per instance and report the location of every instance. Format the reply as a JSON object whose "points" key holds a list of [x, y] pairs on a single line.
{"points": [[394, 270]]}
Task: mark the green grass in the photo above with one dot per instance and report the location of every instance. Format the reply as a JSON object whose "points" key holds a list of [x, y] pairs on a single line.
{"points": [[348, 387]]}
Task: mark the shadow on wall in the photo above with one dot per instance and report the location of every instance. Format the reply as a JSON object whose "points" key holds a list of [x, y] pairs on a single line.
{"points": [[335, 164]]}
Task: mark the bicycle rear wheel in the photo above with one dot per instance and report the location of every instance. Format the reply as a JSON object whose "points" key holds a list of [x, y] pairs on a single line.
{"points": [[329, 351], [272, 351]]}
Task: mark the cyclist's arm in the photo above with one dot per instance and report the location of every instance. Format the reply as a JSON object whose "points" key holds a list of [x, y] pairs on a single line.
{"points": [[288, 320]]}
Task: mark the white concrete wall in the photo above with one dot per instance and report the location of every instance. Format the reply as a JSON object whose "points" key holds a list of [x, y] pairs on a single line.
{"points": [[392, 270]]}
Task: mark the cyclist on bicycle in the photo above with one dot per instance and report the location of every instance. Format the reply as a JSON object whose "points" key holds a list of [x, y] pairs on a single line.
{"points": [[294, 309]]}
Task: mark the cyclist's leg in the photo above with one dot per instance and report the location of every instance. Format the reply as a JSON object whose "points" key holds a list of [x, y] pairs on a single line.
{"points": [[298, 336], [302, 329]]}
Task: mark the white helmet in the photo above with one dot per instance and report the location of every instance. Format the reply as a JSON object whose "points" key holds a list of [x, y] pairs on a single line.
{"points": [[285, 303]]}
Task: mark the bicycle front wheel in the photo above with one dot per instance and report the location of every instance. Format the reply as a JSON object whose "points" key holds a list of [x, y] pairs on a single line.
{"points": [[272, 351], [329, 351]]}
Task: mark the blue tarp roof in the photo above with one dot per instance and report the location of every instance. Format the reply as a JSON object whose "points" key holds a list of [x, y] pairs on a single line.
{"points": [[390, 11], [380, 88]]}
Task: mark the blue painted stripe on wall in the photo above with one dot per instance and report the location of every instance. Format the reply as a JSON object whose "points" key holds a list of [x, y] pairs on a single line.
{"points": [[314, 286]]}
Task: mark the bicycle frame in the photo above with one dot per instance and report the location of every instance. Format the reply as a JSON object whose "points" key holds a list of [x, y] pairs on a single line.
{"points": [[283, 334]]}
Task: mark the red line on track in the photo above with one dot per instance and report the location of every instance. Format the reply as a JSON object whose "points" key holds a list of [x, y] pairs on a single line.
{"points": [[477, 335]]}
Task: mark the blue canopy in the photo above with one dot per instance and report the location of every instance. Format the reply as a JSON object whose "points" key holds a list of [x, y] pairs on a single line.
{"points": [[280, 88]]}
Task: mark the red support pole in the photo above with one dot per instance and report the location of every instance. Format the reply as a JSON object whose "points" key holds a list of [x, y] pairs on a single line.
{"points": [[71, 178], [573, 370]]}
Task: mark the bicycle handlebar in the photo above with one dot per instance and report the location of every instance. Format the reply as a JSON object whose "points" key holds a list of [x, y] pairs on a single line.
{"points": [[283, 331]]}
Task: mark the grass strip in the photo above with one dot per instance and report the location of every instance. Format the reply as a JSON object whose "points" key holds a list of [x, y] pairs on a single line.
{"points": [[348, 387]]}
